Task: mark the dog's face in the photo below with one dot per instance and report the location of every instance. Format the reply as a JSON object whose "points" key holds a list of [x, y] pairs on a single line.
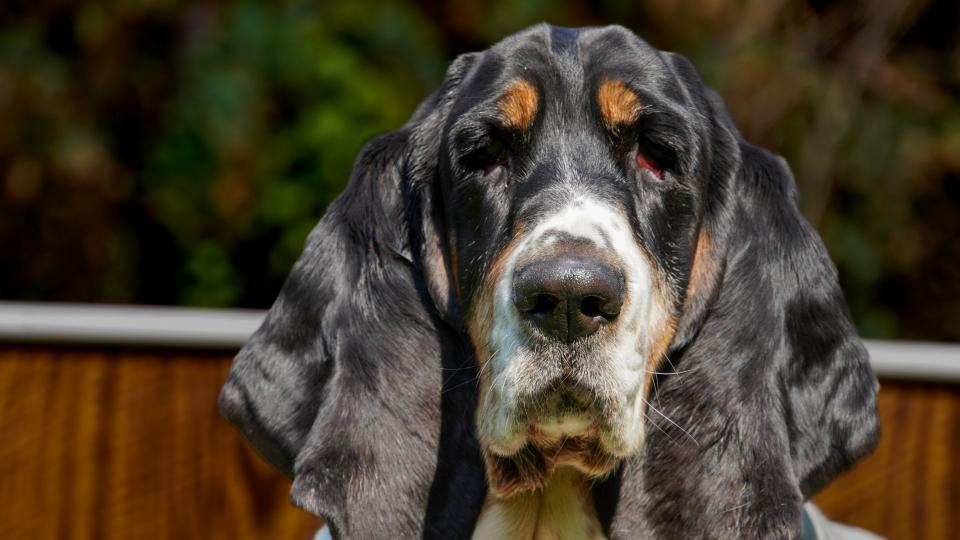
{"points": [[516, 279], [571, 173]]}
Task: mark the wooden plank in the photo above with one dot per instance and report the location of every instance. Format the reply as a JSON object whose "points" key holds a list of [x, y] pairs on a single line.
{"points": [[127, 443], [105, 444], [910, 487]]}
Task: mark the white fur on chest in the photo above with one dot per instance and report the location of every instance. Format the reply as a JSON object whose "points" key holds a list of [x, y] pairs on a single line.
{"points": [[562, 510]]}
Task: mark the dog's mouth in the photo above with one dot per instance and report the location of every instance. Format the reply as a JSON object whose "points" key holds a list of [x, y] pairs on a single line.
{"points": [[530, 468], [564, 427]]}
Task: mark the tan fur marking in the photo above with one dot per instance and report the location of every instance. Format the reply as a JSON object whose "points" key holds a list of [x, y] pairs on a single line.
{"points": [[703, 265], [518, 105], [619, 104], [660, 343], [527, 470], [480, 318], [658, 353], [702, 270]]}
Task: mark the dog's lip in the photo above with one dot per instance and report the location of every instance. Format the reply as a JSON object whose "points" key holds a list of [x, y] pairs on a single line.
{"points": [[507, 447], [545, 434], [559, 411], [550, 433], [566, 426]]}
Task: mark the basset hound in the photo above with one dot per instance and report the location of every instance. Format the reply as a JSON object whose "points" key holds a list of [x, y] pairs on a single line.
{"points": [[565, 300]]}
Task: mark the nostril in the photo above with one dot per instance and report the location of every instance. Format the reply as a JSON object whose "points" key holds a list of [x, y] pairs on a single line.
{"points": [[592, 306], [542, 304]]}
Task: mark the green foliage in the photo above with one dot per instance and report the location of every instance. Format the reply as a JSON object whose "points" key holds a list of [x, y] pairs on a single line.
{"points": [[165, 153], [270, 108], [255, 114]]}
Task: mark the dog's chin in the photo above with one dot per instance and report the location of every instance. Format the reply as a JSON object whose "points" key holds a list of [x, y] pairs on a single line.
{"points": [[530, 467], [561, 425]]}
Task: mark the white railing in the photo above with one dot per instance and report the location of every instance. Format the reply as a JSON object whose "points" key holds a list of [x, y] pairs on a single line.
{"points": [[24, 322], [127, 325]]}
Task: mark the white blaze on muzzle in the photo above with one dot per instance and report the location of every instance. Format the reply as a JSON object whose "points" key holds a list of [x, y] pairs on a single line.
{"points": [[620, 356]]}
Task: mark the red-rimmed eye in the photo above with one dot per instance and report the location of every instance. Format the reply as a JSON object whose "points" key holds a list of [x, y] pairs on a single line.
{"points": [[644, 163], [653, 157]]}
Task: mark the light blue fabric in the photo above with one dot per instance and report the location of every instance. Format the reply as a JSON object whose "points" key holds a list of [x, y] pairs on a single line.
{"points": [[816, 526], [809, 533]]}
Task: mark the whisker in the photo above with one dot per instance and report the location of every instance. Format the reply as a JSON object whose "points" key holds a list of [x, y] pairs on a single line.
{"points": [[458, 385], [737, 507], [461, 368], [673, 372], [654, 424], [656, 390], [673, 367], [667, 418]]}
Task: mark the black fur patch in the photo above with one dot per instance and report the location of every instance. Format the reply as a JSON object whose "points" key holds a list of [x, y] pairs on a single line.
{"points": [[563, 41]]}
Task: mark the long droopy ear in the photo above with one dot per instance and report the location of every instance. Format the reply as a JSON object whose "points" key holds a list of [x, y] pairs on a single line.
{"points": [[343, 386], [767, 393], [822, 372]]}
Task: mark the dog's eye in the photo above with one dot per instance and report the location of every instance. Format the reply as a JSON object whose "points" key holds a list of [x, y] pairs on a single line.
{"points": [[489, 157], [653, 158]]}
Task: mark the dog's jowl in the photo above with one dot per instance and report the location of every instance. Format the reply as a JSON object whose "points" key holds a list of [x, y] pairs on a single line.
{"points": [[565, 300]]}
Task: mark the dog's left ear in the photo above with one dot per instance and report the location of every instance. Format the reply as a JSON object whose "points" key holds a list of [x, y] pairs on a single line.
{"points": [[768, 393], [827, 390], [342, 387], [761, 272]]}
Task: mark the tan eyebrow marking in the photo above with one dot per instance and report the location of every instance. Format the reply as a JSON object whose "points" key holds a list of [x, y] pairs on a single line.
{"points": [[618, 103], [518, 105]]}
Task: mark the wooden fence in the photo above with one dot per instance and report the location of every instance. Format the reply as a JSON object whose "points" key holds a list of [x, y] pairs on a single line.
{"points": [[104, 439]]}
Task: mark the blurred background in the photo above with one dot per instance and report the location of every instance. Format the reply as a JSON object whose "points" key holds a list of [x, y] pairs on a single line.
{"points": [[178, 153], [168, 153]]}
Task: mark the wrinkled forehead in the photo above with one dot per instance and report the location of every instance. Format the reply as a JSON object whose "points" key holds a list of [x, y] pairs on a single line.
{"points": [[564, 67], [578, 55]]}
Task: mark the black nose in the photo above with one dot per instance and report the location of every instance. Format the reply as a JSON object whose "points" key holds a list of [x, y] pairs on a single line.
{"points": [[568, 297]]}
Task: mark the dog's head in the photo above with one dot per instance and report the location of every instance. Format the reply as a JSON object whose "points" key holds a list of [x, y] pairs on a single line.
{"points": [[575, 170], [568, 256]]}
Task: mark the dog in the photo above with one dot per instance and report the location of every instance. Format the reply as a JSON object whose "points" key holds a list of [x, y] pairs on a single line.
{"points": [[566, 299]]}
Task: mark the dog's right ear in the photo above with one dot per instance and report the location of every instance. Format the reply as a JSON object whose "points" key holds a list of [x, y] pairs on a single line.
{"points": [[341, 386], [429, 233], [283, 374]]}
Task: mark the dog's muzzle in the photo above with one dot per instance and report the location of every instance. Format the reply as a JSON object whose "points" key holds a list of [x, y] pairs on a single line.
{"points": [[565, 339]]}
